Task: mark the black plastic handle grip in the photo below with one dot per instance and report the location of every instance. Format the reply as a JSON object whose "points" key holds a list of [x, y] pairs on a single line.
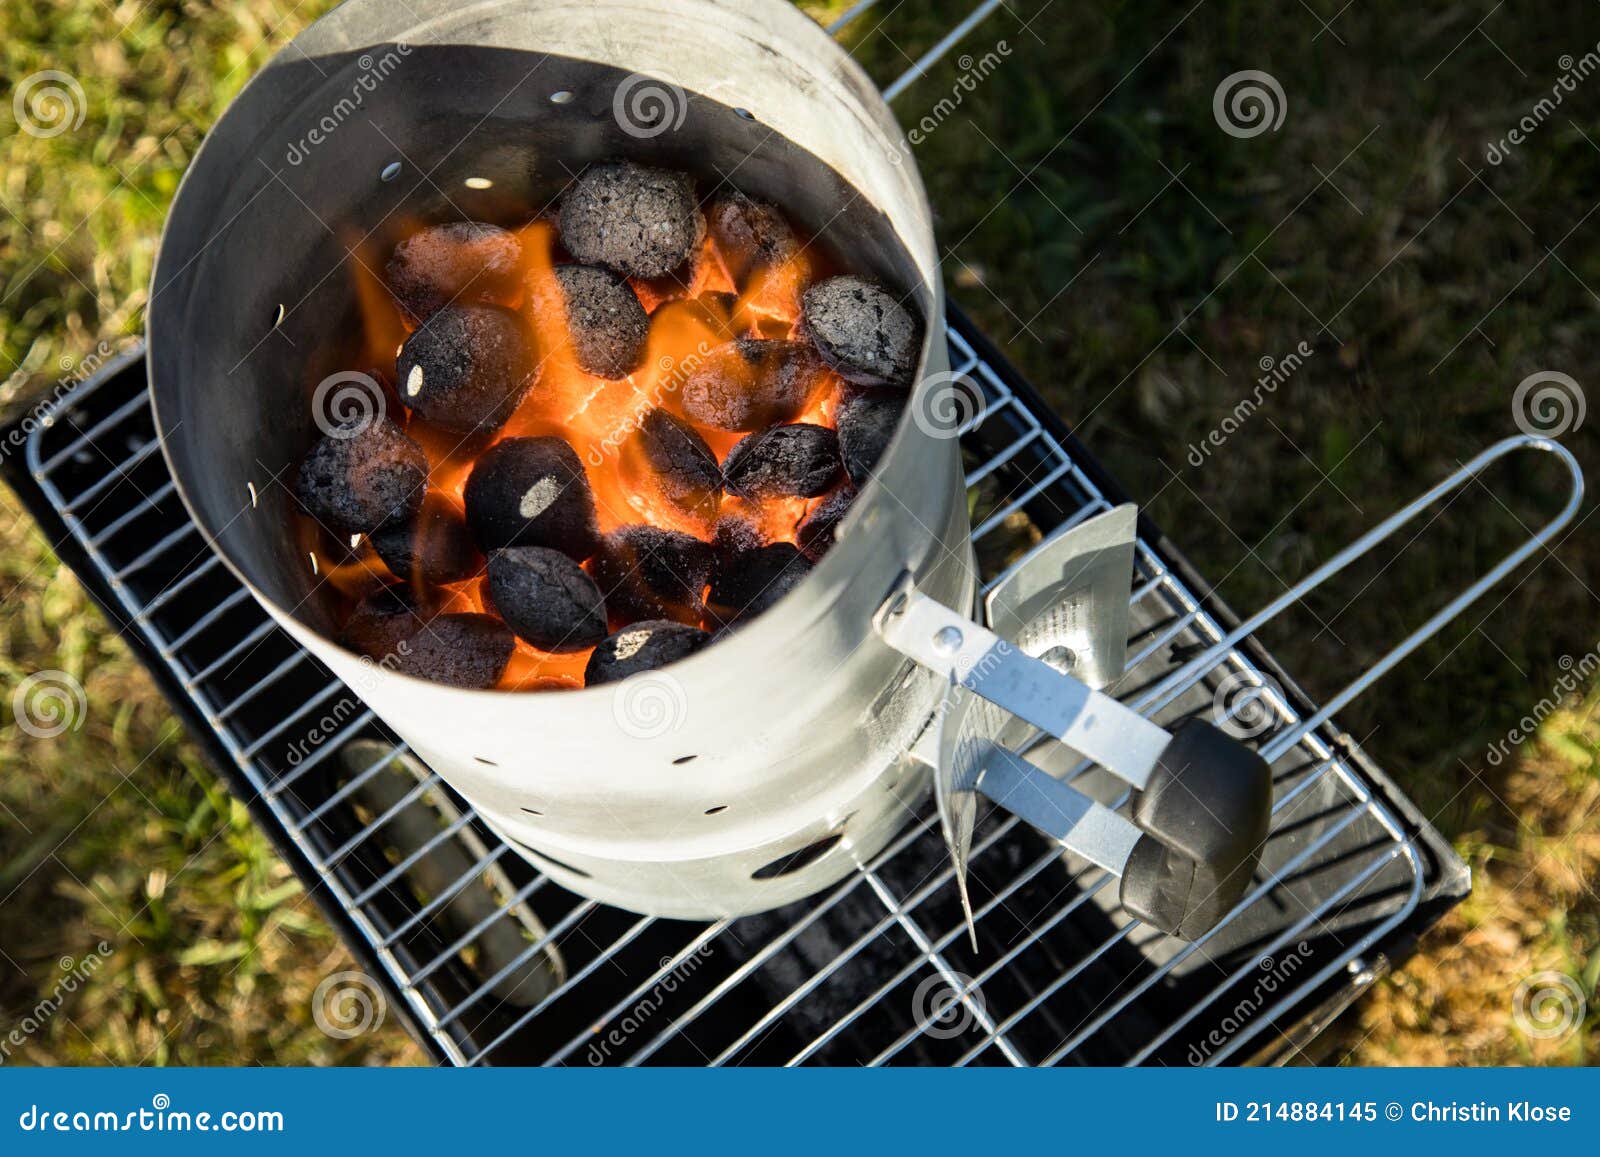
{"points": [[1205, 813]]}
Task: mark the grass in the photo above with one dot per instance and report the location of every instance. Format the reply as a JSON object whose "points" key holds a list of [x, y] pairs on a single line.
{"points": [[1137, 263]]}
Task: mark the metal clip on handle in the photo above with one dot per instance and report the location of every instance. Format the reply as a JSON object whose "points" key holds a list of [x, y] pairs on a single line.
{"points": [[1204, 800]]}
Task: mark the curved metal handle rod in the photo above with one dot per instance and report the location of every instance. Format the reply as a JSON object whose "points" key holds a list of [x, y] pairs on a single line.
{"points": [[1199, 664]]}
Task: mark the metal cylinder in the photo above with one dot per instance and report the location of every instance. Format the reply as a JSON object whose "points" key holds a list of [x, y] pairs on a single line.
{"points": [[766, 766]]}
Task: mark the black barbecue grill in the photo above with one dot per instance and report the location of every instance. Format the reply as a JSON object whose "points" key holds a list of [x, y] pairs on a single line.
{"points": [[490, 962]]}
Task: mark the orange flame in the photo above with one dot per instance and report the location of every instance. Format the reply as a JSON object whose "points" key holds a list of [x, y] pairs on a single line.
{"points": [[689, 317]]}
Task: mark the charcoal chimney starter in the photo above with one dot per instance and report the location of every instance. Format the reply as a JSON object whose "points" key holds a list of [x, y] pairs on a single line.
{"points": [[768, 765]]}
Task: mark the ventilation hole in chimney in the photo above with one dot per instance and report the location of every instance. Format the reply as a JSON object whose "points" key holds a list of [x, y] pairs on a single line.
{"points": [[540, 858], [478, 183], [533, 811], [793, 862], [682, 759], [561, 97], [721, 807], [390, 171], [485, 762]]}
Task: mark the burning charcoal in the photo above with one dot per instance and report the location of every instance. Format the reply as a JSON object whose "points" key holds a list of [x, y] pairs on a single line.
{"points": [[532, 492], [684, 466], [359, 477], [467, 368], [867, 422], [749, 234], [607, 323], [642, 647], [546, 598], [463, 262], [736, 533], [799, 461], [753, 382], [751, 581], [648, 573], [382, 621], [862, 331], [434, 546], [816, 531], [639, 221], [461, 650]]}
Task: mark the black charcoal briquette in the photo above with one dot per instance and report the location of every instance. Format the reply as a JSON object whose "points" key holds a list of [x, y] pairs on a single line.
{"points": [[683, 466], [433, 546], [362, 476], [862, 331], [546, 598], [607, 324], [750, 234], [642, 647], [751, 383], [798, 461], [646, 572], [816, 531], [749, 582], [639, 221], [382, 621], [461, 650], [467, 368], [532, 492], [867, 422], [461, 263]]}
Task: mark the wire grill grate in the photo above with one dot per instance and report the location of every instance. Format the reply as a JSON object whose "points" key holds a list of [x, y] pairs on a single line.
{"points": [[498, 964]]}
